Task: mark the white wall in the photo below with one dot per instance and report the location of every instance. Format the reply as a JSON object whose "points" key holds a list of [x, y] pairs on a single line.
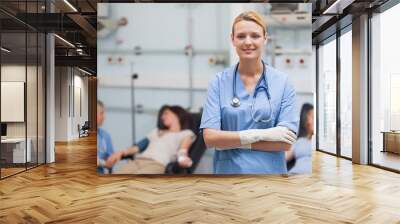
{"points": [[170, 33], [68, 82], [12, 100], [80, 102], [33, 126], [61, 103], [14, 73], [17, 73]]}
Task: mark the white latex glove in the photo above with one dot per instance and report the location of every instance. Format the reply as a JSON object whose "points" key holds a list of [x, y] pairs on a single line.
{"points": [[276, 134]]}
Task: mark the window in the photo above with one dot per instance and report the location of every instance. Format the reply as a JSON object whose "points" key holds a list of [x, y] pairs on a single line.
{"points": [[346, 94], [385, 84], [327, 97], [22, 75]]}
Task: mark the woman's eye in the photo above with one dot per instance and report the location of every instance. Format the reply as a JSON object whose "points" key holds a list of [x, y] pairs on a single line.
{"points": [[255, 36]]}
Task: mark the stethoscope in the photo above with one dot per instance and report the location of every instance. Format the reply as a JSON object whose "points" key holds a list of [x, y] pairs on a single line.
{"points": [[236, 101]]}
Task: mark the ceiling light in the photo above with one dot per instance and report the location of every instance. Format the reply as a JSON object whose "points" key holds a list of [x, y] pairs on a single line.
{"points": [[79, 51], [70, 5], [5, 50], [337, 7], [84, 71], [65, 41], [331, 7]]}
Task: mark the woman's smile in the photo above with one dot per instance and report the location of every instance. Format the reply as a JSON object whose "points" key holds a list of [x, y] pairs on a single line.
{"points": [[248, 51]]}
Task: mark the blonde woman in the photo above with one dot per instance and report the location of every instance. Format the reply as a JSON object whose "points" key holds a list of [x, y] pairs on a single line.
{"points": [[249, 115]]}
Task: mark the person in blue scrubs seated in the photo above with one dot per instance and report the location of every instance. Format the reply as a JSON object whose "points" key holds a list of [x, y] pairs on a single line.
{"points": [[104, 144], [249, 116], [299, 157], [105, 147]]}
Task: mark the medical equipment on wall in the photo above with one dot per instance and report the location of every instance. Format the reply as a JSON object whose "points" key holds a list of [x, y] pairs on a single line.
{"points": [[236, 101], [217, 60]]}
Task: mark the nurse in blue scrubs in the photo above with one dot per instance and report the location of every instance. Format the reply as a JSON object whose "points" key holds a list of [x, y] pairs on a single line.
{"points": [[249, 116]]}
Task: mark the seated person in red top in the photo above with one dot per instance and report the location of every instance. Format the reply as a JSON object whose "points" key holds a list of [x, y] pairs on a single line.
{"points": [[169, 142]]}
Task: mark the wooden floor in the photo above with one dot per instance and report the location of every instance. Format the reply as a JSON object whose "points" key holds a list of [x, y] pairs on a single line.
{"points": [[387, 159], [5, 172], [10, 171], [70, 191]]}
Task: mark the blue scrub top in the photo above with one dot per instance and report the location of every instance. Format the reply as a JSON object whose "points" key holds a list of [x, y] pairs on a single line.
{"points": [[104, 144], [302, 152], [220, 115]]}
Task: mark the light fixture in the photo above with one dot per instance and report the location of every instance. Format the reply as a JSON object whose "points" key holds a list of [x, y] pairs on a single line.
{"points": [[5, 50], [70, 5], [79, 51], [337, 7], [84, 71], [64, 40]]}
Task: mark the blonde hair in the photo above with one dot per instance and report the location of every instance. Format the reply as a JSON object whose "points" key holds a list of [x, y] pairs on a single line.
{"points": [[250, 16]]}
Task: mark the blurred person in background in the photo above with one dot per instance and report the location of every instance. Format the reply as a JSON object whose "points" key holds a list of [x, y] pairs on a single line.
{"points": [[169, 142], [104, 144], [299, 157]]}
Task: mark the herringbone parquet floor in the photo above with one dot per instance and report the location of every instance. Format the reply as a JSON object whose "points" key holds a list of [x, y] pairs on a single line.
{"points": [[70, 191]]}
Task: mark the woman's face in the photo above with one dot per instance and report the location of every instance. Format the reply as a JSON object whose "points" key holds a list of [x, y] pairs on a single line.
{"points": [[248, 39], [169, 118], [310, 122]]}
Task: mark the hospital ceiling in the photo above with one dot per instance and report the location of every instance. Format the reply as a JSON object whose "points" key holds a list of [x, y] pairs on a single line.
{"points": [[76, 22]]}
